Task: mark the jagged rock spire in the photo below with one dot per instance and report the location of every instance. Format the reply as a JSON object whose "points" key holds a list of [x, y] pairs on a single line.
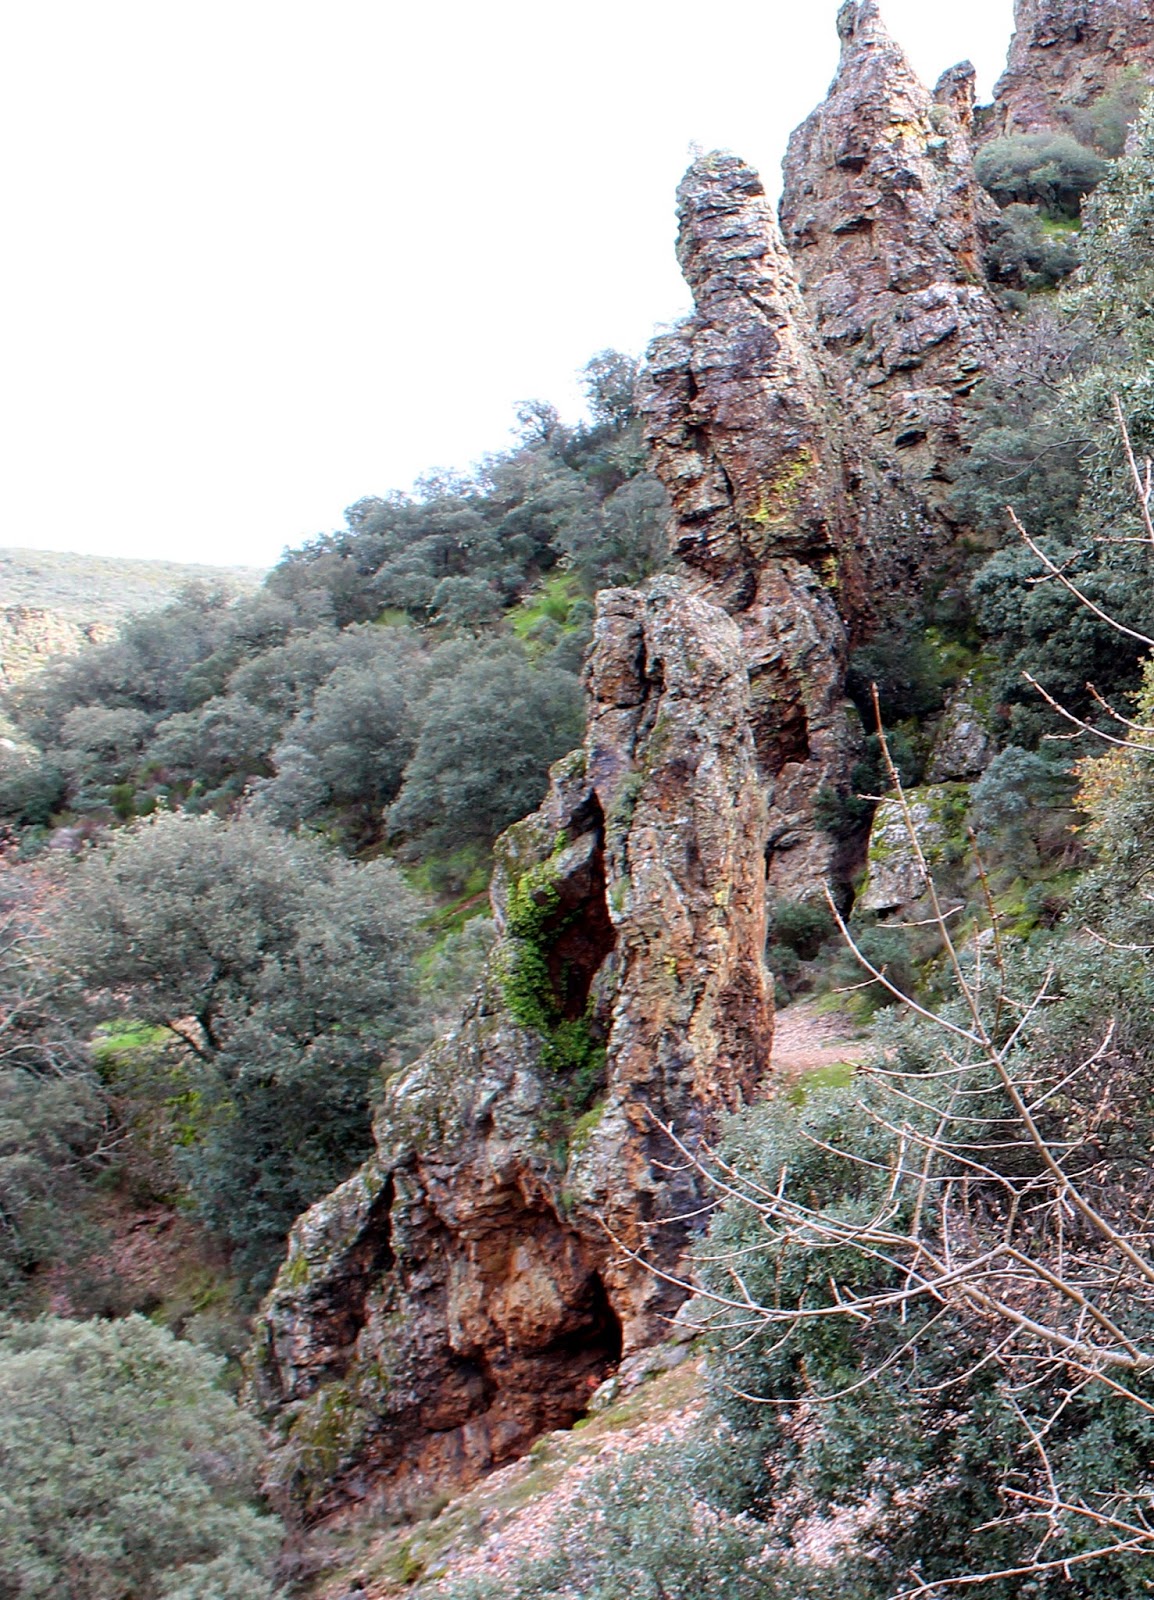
{"points": [[735, 404], [1066, 54], [743, 431], [860, 21], [882, 214], [472, 1285]]}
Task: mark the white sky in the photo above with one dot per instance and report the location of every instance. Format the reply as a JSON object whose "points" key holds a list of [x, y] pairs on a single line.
{"points": [[264, 257]]}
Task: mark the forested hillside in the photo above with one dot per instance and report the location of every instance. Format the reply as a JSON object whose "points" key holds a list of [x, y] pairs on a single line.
{"points": [[389, 954]]}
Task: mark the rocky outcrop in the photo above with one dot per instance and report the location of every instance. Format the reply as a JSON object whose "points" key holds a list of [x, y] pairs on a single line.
{"points": [[896, 881], [32, 636], [1065, 55], [882, 215], [741, 429], [963, 745], [524, 1219], [478, 1279]]}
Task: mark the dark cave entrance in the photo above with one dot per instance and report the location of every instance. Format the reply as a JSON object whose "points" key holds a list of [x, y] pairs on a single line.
{"points": [[585, 934]]}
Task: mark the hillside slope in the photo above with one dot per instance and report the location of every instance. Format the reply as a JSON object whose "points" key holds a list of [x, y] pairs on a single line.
{"points": [[104, 588], [53, 603]]}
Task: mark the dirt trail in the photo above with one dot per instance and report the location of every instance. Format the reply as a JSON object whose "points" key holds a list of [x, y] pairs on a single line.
{"points": [[805, 1040]]}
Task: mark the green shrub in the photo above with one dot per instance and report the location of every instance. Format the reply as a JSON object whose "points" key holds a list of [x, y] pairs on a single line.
{"points": [[124, 1470], [889, 950], [1050, 170], [1025, 251], [32, 787], [802, 927], [282, 974], [910, 672], [1010, 802], [1107, 121]]}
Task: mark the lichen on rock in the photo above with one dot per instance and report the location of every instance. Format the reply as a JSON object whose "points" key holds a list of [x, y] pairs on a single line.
{"points": [[883, 216]]}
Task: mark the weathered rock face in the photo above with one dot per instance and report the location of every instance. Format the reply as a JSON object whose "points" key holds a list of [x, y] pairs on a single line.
{"points": [[1065, 55], [882, 214], [963, 745], [481, 1275], [740, 425]]}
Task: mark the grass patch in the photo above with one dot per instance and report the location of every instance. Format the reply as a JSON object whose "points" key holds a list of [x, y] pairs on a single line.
{"points": [[549, 603], [838, 1075], [119, 1045]]}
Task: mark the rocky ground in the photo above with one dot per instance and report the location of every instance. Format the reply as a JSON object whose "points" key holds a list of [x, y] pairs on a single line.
{"points": [[509, 1515], [806, 1040]]}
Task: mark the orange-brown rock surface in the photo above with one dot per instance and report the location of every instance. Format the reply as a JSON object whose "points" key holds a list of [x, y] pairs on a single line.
{"points": [[482, 1274], [1065, 55]]}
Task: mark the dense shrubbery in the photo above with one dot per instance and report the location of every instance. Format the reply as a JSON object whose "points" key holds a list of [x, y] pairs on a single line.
{"points": [[53, 1113], [1106, 122], [1042, 459], [367, 651], [1050, 169], [1028, 251], [278, 975], [124, 1470]]}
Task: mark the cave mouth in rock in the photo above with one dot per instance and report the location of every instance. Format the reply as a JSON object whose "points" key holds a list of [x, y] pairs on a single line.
{"points": [[599, 1342], [587, 935]]}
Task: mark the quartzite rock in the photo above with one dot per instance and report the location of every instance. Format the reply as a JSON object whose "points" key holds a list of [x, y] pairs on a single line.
{"points": [[882, 214], [1065, 55], [470, 1287], [741, 430], [963, 745]]}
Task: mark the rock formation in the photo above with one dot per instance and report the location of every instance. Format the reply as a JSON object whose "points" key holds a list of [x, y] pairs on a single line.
{"points": [[484, 1272], [475, 1282], [1065, 55], [741, 429], [882, 215]]}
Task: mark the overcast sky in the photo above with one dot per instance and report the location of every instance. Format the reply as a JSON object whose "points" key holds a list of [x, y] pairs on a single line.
{"points": [[265, 257]]}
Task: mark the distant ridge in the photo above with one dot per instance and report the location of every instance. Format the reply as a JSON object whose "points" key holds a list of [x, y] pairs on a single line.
{"points": [[103, 589]]}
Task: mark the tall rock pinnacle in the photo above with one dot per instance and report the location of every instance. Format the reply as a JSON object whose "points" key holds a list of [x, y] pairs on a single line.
{"points": [[741, 430], [735, 405], [472, 1285], [881, 213]]}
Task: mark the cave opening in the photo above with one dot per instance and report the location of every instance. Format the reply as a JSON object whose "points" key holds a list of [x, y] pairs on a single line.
{"points": [[586, 934]]}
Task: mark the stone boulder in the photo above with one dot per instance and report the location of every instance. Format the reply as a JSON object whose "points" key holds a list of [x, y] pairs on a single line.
{"points": [[895, 881], [963, 745]]}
